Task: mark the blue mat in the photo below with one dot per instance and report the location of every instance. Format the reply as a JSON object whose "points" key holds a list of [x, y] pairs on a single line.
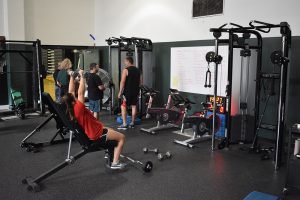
{"points": [[137, 120], [260, 196]]}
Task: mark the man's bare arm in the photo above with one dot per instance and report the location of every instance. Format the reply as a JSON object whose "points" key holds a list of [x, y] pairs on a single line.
{"points": [[122, 83], [101, 87]]}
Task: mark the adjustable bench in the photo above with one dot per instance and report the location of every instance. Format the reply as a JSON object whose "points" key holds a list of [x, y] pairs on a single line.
{"points": [[75, 130], [61, 129]]}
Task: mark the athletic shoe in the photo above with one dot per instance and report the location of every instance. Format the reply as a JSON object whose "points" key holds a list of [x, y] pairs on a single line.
{"points": [[106, 156], [122, 127], [118, 165], [131, 125]]}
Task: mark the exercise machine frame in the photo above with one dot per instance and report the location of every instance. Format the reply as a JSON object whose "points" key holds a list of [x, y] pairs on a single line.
{"points": [[254, 28], [139, 45], [37, 59]]}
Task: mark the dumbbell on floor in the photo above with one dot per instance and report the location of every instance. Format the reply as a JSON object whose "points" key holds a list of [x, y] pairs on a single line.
{"points": [[146, 167], [167, 155], [146, 150]]}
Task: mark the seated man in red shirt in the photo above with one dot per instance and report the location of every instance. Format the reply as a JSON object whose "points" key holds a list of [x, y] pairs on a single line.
{"points": [[93, 128]]}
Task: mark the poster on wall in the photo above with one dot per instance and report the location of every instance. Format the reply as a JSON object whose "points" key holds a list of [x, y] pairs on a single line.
{"points": [[189, 66], [202, 8]]}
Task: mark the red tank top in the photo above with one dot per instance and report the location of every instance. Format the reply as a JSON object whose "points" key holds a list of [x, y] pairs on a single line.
{"points": [[91, 126]]}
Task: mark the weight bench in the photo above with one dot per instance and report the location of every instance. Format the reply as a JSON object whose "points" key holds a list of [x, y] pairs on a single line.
{"points": [[61, 129], [75, 130]]}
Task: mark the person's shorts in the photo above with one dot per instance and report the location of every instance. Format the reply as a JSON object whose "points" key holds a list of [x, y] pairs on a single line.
{"points": [[94, 106], [129, 100], [103, 139], [104, 134]]}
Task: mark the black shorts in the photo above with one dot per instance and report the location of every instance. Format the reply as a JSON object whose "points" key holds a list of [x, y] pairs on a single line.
{"points": [[102, 140], [130, 100]]}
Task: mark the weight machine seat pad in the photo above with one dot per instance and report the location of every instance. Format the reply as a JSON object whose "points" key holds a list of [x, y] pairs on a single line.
{"points": [[79, 134]]}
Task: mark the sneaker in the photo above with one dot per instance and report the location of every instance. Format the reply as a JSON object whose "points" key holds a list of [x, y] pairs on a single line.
{"points": [[131, 125], [122, 127], [106, 156], [118, 165]]}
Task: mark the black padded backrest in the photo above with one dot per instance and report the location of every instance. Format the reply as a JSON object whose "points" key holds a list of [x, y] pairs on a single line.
{"points": [[59, 123], [79, 134]]}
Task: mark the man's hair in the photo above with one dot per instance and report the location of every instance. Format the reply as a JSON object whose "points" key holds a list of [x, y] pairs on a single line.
{"points": [[130, 59], [93, 66]]}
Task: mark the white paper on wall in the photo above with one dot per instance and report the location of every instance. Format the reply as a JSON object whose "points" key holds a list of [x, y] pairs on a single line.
{"points": [[189, 66]]}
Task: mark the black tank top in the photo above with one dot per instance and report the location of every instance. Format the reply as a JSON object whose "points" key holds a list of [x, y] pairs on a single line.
{"points": [[132, 82]]}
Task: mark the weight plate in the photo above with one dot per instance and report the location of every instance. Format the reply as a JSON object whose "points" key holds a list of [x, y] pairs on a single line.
{"points": [[276, 57], [165, 117], [148, 166], [168, 154], [159, 156], [210, 56], [201, 128]]}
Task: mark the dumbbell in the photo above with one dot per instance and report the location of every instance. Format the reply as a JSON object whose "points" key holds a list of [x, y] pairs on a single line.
{"points": [[146, 150], [167, 155], [146, 167], [76, 75]]}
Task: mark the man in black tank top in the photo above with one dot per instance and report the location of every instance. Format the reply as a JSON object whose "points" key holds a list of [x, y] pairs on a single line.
{"points": [[129, 91]]}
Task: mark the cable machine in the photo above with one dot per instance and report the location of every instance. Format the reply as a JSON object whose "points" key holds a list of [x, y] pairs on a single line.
{"points": [[141, 51], [280, 58]]}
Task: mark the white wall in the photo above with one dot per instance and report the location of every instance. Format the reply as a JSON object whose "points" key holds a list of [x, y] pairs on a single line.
{"points": [[12, 19], [63, 22], [171, 20], [1, 18]]}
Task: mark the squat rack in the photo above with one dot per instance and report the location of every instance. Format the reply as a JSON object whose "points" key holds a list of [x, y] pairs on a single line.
{"points": [[37, 59], [254, 28]]}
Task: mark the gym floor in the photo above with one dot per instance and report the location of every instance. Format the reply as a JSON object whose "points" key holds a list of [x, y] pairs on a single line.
{"points": [[191, 174]]}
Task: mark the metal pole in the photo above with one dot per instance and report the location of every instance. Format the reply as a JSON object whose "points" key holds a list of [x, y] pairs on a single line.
{"points": [[112, 92], [215, 94], [243, 99], [257, 122], [119, 63], [137, 64], [40, 78], [70, 145], [229, 87], [109, 59], [136, 50], [281, 104]]}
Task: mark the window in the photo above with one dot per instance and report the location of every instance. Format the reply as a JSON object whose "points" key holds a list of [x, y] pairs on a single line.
{"points": [[203, 8]]}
